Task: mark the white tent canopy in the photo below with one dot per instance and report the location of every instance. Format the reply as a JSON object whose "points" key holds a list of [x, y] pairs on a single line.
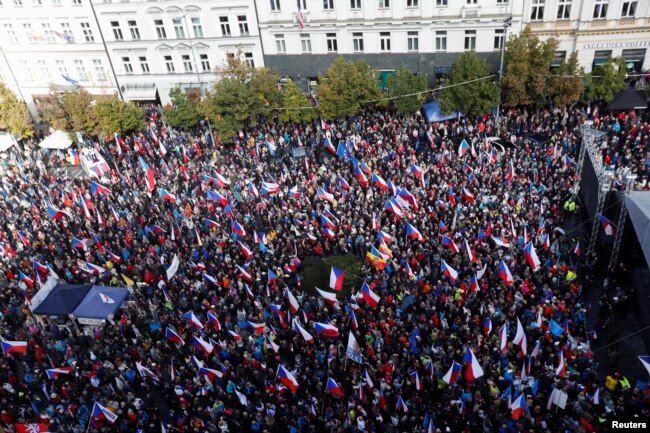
{"points": [[58, 140], [7, 141]]}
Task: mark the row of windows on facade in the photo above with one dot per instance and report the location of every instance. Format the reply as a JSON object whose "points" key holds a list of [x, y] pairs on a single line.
{"points": [[179, 25], [79, 73], [187, 61], [413, 41], [48, 34], [329, 5], [601, 7]]}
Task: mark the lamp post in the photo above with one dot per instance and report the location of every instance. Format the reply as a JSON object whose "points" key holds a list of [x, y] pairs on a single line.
{"points": [[198, 74], [507, 22]]}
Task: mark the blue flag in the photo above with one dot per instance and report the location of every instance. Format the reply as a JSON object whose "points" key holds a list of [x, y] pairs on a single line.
{"points": [[556, 328]]}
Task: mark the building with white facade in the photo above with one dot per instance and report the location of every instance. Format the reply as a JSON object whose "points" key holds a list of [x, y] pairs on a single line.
{"points": [[43, 41], [424, 35], [596, 29], [156, 46]]}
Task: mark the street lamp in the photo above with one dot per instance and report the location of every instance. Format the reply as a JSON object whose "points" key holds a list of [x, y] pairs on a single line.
{"points": [[507, 22], [198, 74]]}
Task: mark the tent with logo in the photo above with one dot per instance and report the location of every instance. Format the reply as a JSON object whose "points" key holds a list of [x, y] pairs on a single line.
{"points": [[84, 301]]}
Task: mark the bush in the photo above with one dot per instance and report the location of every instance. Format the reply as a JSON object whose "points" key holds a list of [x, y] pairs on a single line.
{"points": [[316, 273]]}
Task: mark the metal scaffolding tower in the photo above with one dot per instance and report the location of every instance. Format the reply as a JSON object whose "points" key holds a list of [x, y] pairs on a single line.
{"points": [[628, 187], [590, 141]]}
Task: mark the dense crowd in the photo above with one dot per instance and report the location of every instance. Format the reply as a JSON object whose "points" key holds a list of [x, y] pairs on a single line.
{"points": [[447, 218]]}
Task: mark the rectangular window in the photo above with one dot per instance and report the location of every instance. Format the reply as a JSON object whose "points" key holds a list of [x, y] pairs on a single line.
{"points": [[67, 32], [144, 66], [160, 29], [357, 42], [34, 3], [128, 67], [470, 39], [280, 45], [117, 31], [601, 57], [384, 41], [384, 4], [225, 26], [169, 64], [441, 40], [412, 3], [82, 75], [27, 30], [328, 5], [629, 9], [563, 9], [413, 41], [56, 2], [600, 9], [133, 29], [205, 63], [243, 25], [498, 38], [100, 73], [76, 2], [471, 2], [355, 4], [305, 42], [558, 58], [44, 70], [26, 70], [49, 34], [302, 4], [332, 45], [537, 11], [18, 3], [88, 33], [502, 1], [11, 34], [441, 2], [187, 64], [179, 28], [248, 59], [275, 6], [197, 28], [60, 66]]}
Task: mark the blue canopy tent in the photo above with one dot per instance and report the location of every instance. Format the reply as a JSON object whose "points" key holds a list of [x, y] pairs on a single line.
{"points": [[101, 302], [433, 113], [85, 301], [62, 300]]}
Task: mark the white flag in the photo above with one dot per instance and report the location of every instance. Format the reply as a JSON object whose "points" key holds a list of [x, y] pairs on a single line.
{"points": [[171, 271], [354, 352]]}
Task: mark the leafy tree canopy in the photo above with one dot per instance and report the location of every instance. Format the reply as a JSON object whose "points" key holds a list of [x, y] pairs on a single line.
{"points": [[404, 82], [293, 102], [184, 113], [14, 115], [606, 79]]}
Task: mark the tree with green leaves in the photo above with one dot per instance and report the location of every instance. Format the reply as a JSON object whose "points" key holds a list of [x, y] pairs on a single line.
{"points": [[113, 115], [14, 115], [346, 88], [606, 79], [404, 82], [183, 113], [527, 68], [294, 102], [243, 93], [474, 98], [77, 106], [566, 84]]}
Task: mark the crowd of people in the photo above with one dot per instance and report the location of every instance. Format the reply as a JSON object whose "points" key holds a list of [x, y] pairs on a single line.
{"points": [[463, 219]]}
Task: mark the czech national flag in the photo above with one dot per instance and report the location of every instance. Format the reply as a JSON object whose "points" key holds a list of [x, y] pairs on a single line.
{"points": [[25, 279], [360, 175], [39, 267], [101, 412], [610, 229], [216, 197], [287, 379], [474, 370], [166, 195], [473, 283], [326, 329], [270, 188], [453, 373], [448, 271], [324, 195], [518, 407], [53, 373], [447, 242], [210, 373], [384, 237], [531, 256], [329, 146], [257, 327], [511, 172], [326, 222], [205, 346], [54, 213], [237, 228], [220, 181], [467, 195], [370, 297], [504, 273], [14, 346], [78, 243], [337, 277], [192, 319], [214, 320], [343, 184], [401, 405], [173, 336], [244, 274], [501, 242], [210, 223], [487, 326], [334, 388], [96, 188], [463, 148], [148, 174], [379, 181], [293, 302], [414, 233], [245, 250]]}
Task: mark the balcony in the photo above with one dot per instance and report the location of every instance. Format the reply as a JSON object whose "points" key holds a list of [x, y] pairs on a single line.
{"points": [[627, 21]]}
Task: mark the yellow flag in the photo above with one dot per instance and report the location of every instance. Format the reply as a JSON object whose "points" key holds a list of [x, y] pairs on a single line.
{"points": [[128, 281]]}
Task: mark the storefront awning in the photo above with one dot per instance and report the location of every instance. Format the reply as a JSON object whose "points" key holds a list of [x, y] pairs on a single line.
{"points": [[140, 94]]}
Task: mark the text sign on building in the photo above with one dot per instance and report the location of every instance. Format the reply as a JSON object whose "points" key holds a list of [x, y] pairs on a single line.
{"points": [[628, 44]]}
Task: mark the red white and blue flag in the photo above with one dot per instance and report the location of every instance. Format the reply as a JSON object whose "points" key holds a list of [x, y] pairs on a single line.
{"points": [[531, 256], [452, 375], [448, 271], [370, 297], [287, 379], [504, 273], [96, 188], [53, 373], [414, 233], [474, 370], [337, 277], [148, 174], [608, 226], [14, 347], [334, 388], [101, 412], [192, 319], [326, 329]]}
